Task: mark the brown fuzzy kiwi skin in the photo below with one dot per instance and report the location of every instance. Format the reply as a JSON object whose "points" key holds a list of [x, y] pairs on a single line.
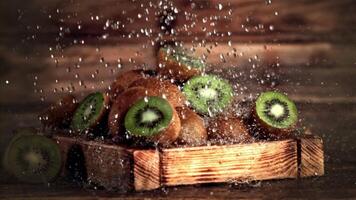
{"points": [[123, 81], [59, 115], [119, 109], [163, 88], [261, 130], [173, 69], [228, 129], [193, 131]]}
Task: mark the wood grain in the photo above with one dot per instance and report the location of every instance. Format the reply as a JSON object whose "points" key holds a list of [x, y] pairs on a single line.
{"points": [[312, 156], [106, 165], [245, 162], [147, 170]]}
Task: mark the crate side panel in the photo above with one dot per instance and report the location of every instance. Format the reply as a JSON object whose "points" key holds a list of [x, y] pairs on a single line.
{"points": [[146, 170], [255, 161]]}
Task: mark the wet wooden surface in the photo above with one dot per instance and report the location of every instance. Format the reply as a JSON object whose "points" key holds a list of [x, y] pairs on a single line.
{"points": [[339, 182]]}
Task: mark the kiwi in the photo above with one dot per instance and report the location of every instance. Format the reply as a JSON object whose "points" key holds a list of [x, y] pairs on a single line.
{"points": [[153, 119], [124, 79], [275, 115], [90, 113], [193, 131], [34, 159], [177, 64], [18, 133], [208, 94], [228, 129], [119, 109], [164, 88], [59, 114]]}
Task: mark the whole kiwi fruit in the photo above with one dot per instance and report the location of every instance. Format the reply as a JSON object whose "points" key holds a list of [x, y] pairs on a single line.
{"points": [[124, 79], [176, 63], [228, 129], [59, 115], [193, 131], [163, 87]]}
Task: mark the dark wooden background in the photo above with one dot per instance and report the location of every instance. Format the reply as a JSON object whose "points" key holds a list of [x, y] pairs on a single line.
{"points": [[304, 47]]}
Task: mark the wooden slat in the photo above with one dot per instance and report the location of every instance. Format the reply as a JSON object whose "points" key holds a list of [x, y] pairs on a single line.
{"points": [[312, 156], [256, 161], [147, 170], [106, 165]]}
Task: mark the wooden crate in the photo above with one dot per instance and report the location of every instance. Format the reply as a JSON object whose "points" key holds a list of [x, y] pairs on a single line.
{"points": [[118, 168]]}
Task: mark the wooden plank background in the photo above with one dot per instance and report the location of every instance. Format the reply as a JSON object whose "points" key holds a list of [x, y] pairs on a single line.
{"points": [[48, 48]]}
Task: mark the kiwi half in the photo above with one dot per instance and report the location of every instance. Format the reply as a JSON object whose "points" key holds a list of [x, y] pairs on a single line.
{"points": [[275, 113], [163, 88], [208, 94], [193, 131], [176, 63], [34, 159], [90, 112], [119, 109], [228, 129], [18, 133], [59, 114], [154, 119]]}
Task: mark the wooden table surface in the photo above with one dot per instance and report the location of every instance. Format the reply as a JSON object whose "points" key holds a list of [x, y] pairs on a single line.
{"points": [[339, 182]]}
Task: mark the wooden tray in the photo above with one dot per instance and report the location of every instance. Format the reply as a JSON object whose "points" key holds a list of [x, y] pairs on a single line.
{"points": [[118, 168]]}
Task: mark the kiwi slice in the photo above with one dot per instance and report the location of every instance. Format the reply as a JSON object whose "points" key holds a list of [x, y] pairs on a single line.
{"points": [[163, 88], [208, 94], [154, 119], [90, 112], [59, 115], [34, 159], [228, 129], [276, 110], [178, 64], [193, 131]]}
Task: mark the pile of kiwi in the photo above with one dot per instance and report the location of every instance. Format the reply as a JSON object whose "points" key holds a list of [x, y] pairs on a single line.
{"points": [[178, 104]]}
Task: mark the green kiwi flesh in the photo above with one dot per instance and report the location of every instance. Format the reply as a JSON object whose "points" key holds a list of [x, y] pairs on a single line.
{"points": [[176, 54], [148, 117], [276, 110], [89, 112], [208, 94], [34, 159], [18, 134]]}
